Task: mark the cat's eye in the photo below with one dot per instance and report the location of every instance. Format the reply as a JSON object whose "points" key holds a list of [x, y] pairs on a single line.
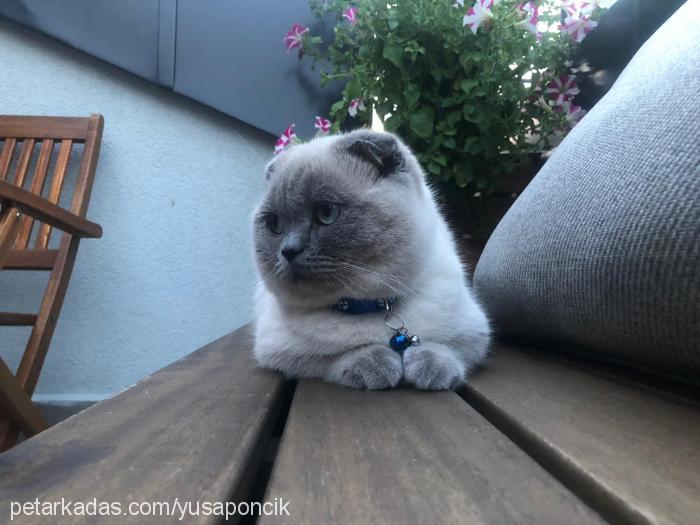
{"points": [[273, 223], [327, 213]]}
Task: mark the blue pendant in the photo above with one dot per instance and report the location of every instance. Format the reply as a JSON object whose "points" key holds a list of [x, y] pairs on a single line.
{"points": [[399, 343]]}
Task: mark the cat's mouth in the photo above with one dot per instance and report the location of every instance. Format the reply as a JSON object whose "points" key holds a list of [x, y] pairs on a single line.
{"points": [[310, 277], [302, 273]]}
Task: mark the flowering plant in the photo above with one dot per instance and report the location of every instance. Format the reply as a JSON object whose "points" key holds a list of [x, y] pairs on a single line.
{"points": [[473, 86]]}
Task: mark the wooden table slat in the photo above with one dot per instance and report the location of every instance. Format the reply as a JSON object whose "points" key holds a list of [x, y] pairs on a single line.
{"points": [[192, 430], [632, 455], [355, 457]]}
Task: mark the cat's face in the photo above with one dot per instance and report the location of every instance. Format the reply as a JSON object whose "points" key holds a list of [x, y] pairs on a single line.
{"points": [[340, 218]]}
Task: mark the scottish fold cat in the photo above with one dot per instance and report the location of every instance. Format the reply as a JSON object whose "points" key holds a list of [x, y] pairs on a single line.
{"points": [[361, 283]]}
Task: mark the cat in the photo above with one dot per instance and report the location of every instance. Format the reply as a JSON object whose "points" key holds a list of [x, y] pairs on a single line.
{"points": [[349, 218]]}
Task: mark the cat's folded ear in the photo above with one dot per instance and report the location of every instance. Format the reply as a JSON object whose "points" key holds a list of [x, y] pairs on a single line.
{"points": [[380, 149]]}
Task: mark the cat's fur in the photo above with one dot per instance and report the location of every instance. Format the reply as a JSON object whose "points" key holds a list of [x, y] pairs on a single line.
{"points": [[388, 240]]}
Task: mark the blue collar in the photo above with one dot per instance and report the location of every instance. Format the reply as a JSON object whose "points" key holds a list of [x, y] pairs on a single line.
{"points": [[351, 306]]}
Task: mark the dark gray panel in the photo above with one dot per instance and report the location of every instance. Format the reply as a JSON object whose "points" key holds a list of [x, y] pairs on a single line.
{"points": [[166, 42], [231, 55], [123, 32]]}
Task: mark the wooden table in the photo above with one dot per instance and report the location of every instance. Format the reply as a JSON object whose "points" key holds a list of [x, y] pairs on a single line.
{"points": [[531, 440]]}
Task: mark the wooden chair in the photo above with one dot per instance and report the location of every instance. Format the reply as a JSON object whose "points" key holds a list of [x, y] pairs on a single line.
{"points": [[28, 214]]}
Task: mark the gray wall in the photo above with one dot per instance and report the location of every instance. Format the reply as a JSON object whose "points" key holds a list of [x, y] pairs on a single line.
{"points": [[175, 186]]}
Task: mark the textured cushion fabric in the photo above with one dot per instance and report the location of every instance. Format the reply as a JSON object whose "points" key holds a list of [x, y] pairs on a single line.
{"points": [[601, 252]]}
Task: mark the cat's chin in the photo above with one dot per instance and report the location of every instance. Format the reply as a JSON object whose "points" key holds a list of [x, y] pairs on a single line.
{"points": [[313, 299]]}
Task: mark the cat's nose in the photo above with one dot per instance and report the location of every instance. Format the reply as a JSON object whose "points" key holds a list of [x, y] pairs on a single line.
{"points": [[290, 252]]}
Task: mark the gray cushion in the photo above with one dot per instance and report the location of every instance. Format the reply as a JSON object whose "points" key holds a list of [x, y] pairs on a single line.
{"points": [[601, 252]]}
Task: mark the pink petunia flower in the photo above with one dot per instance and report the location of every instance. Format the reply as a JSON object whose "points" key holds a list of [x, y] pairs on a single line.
{"points": [[355, 105], [479, 13], [351, 15], [292, 40], [529, 9], [578, 27], [322, 125], [562, 89], [286, 139], [573, 112]]}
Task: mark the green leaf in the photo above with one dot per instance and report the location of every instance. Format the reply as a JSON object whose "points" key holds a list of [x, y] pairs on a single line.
{"points": [[472, 146], [468, 84], [392, 20], [421, 122], [353, 89], [434, 168], [446, 102], [392, 123], [453, 118], [393, 54], [464, 174], [449, 142], [473, 113], [338, 106], [412, 94]]}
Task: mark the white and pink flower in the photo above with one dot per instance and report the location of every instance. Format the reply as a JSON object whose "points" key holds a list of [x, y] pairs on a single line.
{"points": [[293, 38], [530, 11], [356, 104], [480, 13], [580, 7], [323, 125], [350, 14], [562, 89], [286, 139], [578, 27]]}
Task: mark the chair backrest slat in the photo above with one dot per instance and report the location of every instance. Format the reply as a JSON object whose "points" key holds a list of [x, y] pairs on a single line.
{"points": [[74, 128], [6, 157], [37, 188], [23, 163], [59, 175]]}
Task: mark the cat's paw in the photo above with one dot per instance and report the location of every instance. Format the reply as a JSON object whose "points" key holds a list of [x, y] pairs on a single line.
{"points": [[373, 368], [433, 366]]}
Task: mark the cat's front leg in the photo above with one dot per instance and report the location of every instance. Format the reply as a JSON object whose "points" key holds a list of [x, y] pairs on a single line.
{"points": [[374, 367], [433, 366]]}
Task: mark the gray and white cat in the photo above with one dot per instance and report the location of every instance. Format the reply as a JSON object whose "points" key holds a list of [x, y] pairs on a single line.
{"points": [[350, 216]]}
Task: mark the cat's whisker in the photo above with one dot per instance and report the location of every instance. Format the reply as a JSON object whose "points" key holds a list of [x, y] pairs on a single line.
{"points": [[382, 279], [358, 265], [391, 282], [378, 281]]}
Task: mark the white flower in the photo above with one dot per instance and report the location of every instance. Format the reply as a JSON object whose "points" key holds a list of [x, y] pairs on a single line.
{"points": [[479, 14], [356, 104], [578, 27], [562, 88]]}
